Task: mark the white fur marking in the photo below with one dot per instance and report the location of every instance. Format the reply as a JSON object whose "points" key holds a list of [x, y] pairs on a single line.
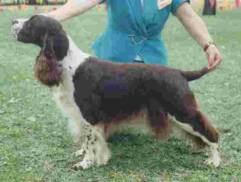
{"points": [[94, 149], [214, 157], [15, 29], [63, 94]]}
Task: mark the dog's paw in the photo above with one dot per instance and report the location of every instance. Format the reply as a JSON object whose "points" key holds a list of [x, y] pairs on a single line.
{"points": [[213, 161], [84, 164]]}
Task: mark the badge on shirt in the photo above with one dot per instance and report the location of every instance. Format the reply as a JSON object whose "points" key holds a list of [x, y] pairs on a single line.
{"points": [[163, 3]]}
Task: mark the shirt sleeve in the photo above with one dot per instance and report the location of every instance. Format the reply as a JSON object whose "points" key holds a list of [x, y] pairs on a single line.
{"points": [[176, 4]]}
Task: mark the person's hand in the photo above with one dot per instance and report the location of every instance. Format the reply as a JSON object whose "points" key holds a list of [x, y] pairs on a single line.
{"points": [[214, 57]]}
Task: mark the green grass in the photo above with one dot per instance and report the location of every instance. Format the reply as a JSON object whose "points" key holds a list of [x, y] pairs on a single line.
{"points": [[35, 145]]}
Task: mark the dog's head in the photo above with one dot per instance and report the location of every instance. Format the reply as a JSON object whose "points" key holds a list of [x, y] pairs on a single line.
{"points": [[43, 31], [50, 36]]}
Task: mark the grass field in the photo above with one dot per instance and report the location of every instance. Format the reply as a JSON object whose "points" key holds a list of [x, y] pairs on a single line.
{"points": [[35, 145]]}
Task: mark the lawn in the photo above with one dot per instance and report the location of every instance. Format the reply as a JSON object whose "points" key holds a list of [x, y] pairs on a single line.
{"points": [[35, 145]]}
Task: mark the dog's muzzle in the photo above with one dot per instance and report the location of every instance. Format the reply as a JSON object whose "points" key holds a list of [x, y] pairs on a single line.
{"points": [[17, 25]]}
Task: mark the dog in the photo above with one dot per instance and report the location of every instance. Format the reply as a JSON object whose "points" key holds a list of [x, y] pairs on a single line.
{"points": [[98, 95]]}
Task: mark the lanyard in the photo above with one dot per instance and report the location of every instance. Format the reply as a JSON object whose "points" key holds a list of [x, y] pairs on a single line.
{"points": [[142, 3]]}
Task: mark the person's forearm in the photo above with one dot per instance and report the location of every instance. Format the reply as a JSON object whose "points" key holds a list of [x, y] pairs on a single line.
{"points": [[72, 8], [194, 24], [198, 30]]}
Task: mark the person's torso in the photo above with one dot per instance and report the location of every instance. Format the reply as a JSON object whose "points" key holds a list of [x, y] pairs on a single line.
{"points": [[134, 29]]}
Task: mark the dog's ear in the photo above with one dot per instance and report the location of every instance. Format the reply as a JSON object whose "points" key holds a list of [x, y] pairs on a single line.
{"points": [[48, 49], [47, 70], [56, 45], [60, 45]]}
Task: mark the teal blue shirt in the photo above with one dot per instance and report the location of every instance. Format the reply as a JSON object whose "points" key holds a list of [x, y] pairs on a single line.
{"points": [[135, 29]]}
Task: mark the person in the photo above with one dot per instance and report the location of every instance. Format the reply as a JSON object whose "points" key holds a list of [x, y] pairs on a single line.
{"points": [[134, 27]]}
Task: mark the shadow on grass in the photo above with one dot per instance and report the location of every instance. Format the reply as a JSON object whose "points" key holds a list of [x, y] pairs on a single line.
{"points": [[144, 153], [140, 156]]}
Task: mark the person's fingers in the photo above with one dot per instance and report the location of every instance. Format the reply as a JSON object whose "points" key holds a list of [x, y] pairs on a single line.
{"points": [[210, 60], [219, 58], [217, 61], [214, 58]]}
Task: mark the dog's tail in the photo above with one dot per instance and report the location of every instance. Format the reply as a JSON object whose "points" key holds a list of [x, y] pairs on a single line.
{"points": [[193, 75]]}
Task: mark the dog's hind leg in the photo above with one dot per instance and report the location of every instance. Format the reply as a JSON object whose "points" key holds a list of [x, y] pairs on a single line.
{"points": [[163, 125], [192, 120], [158, 119], [196, 143]]}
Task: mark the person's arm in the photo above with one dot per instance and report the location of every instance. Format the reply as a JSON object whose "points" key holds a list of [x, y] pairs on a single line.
{"points": [[72, 8], [198, 30]]}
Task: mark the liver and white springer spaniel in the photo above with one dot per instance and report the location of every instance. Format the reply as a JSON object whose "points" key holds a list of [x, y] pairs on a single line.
{"points": [[98, 95]]}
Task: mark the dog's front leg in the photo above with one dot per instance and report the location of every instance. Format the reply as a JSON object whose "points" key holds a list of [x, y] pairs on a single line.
{"points": [[94, 149], [91, 138], [64, 99]]}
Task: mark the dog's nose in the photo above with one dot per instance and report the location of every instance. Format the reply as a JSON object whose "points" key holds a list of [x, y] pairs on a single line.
{"points": [[14, 22]]}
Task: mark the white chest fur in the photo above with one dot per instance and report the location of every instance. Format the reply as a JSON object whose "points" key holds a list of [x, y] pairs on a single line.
{"points": [[64, 93]]}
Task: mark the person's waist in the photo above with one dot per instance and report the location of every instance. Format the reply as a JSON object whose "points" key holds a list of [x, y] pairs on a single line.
{"points": [[135, 37]]}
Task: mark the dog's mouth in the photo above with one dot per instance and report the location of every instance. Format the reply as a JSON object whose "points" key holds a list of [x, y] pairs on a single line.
{"points": [[17, 25]]}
